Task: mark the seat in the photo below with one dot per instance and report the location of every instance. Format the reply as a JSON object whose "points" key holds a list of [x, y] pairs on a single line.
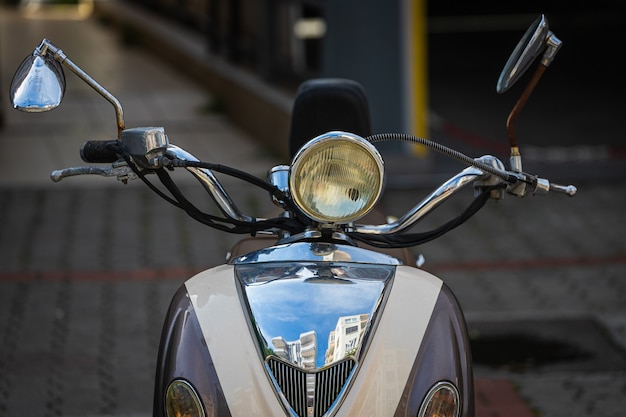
{"points": [[325, 104]]}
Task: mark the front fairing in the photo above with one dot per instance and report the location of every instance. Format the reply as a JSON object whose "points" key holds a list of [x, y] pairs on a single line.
{"points": [[262, 337]]}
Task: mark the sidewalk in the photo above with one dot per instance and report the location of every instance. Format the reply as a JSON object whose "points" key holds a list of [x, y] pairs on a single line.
{"points": [[87, 266]]}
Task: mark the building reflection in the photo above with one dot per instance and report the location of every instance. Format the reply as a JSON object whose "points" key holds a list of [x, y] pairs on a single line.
{"points": [[301, 352], [343, 341]]}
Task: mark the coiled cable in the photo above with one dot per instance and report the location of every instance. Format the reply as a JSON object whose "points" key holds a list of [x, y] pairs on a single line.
{"points": [[382, 137]]}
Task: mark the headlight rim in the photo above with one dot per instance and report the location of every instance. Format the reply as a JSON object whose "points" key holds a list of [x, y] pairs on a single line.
{"points": [[320, 140]]}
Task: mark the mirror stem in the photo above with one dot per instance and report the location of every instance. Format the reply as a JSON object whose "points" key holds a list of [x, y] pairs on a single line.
{"points": [[521, 102], [59, 56], [553, 44]]}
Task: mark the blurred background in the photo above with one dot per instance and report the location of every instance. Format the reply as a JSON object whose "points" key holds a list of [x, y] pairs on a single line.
{"points": [[429, 68]]}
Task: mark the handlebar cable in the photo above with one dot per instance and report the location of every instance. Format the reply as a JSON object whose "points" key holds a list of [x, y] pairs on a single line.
{"points": [[122, 151], [381, 137], [295, 224], [236, 226], [242, 175], [192, 210], [179, 200], [405, 240]]}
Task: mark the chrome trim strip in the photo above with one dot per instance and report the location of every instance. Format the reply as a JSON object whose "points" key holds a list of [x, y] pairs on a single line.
{"points": [[315, 252]]}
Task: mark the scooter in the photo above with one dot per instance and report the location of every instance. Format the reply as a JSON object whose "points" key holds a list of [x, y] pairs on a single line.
{"points": [[322, 310]]}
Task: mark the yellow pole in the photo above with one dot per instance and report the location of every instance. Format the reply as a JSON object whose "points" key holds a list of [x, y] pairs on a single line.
{"points": [[418, 71]]}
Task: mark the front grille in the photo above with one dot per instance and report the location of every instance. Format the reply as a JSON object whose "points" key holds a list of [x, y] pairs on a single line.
{"points": [[310, 393]]}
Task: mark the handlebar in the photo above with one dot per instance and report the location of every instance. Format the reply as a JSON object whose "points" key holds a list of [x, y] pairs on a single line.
{"points": [[468, 176], [487, 174]]}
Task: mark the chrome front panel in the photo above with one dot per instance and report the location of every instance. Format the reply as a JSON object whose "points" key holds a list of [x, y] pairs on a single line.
{"points": [[312, 322], [313, 314]]}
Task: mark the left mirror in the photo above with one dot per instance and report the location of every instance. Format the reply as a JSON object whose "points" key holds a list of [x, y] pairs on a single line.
{"points": [[38, 84]]}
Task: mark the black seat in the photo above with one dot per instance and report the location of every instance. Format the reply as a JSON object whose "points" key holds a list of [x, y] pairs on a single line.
{"points": [[325, 104]]}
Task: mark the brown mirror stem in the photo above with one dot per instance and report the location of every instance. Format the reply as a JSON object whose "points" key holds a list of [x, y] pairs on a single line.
{"points": [[521, 102]]}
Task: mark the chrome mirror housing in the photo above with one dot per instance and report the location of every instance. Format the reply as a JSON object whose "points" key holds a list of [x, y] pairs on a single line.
{"points": [[38, 84]]}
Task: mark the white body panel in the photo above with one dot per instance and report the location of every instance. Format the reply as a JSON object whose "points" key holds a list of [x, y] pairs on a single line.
{"points": [[248, 391], [383, 372]]}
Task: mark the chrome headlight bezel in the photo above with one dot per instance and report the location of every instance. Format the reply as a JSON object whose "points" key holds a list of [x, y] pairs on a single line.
{"points": [[346, 182]]}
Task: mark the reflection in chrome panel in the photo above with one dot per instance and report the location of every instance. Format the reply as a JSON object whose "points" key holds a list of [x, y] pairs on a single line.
{"points": [[312, 322], [312, 314]]}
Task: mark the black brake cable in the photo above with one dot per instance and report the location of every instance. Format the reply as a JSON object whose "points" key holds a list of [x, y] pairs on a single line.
{"points": [[242, 175], [294, 225], [195, 213], [179, 200], [121, 150], [220, 223], [236, 226]]}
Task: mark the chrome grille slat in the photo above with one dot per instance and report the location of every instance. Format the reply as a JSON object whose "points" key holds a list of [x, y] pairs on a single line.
{"points": [[291, 382]]}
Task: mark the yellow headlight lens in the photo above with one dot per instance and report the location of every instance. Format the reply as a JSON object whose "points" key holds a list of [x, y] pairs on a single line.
{"points": [[181, 400], [441, 401], [337, 177]]}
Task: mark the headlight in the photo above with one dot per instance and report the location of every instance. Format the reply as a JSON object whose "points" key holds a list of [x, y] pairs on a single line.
{"points": [[181, 400], [441, 401], [336, 177]]}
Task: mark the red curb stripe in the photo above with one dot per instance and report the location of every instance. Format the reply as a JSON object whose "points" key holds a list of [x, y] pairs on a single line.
{"points": [[508, 265], [182, 273], [129, 275], [499, 398]]}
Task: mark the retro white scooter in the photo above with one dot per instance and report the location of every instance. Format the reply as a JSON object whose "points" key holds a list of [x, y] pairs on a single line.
{"points": [[321, 311]]}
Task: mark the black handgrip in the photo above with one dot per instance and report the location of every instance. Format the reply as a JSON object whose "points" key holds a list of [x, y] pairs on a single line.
{"points": [[99, 151]]}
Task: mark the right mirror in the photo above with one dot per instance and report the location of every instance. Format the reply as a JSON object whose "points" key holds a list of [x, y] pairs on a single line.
{"points": [[527, 50]]}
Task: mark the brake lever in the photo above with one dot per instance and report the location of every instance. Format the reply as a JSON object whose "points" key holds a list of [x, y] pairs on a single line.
{"points": [[123, 172]]}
